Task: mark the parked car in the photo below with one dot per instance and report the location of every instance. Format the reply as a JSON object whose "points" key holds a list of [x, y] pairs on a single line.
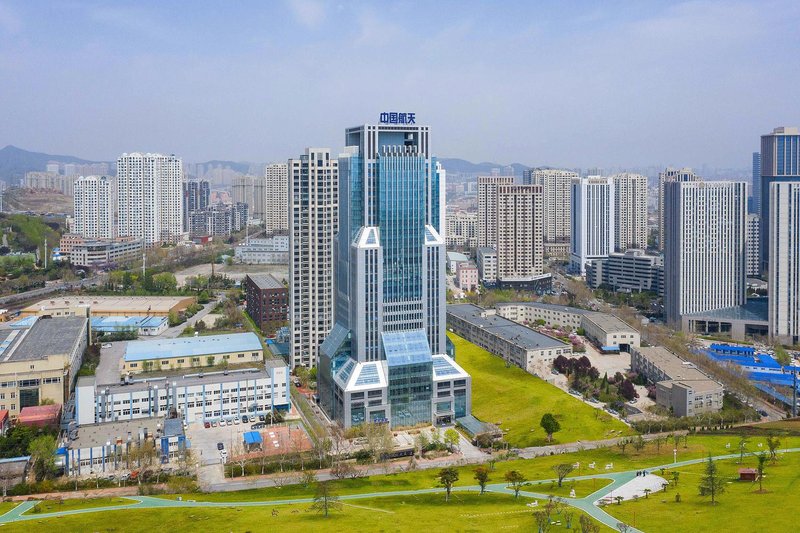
{"points": [[236, 421], [220, 446], [258, 425], [262, 418], [245, 419], [222, 422], [206, 424], [214, 424]]}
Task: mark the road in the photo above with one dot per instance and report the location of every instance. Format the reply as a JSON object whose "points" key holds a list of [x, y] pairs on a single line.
{"points": [[588, 503], [98, 279], [176, 331]]}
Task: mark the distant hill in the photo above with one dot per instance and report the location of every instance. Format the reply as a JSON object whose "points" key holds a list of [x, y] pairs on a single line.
{"points": [[15, 162], [242, 168], [462, 166]]}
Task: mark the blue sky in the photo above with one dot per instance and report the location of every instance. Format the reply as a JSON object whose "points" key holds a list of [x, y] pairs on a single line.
{"points": [[560, 83]]}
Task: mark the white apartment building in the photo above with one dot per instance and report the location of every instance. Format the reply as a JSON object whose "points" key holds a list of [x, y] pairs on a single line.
{"points": [[487, 208], [670, 174], [276, 200], [630, 207], [487, 265], [520, 244], [557, 204], [784, 261], [752, 245], [704, 246], [462, 229], [314, 208], [94, 202], [593, 221], [270, 251], [150, 197], [249, 190]]}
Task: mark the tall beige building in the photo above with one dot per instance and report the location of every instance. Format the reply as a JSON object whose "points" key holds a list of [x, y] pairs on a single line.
{"points": [[784, 261], [630, 204], [95, 203], [670, 175], [250, 190], [276, 202], [487, 208], [520, 242], [557, 200]]}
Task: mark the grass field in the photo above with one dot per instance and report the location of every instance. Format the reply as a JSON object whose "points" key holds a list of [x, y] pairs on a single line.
{"points": [[52, 506], [465, 512], [7, 506], [741, 509], [517, 400]]}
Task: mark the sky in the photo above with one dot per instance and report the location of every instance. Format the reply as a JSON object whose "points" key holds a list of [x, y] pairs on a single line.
{"points": [[562, 83]]}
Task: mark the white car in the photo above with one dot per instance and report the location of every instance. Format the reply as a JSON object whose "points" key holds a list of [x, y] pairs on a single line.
{"points": [[222, 422], [236, 421]]}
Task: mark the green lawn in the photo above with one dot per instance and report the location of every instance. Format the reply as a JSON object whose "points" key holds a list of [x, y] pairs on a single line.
{"points": [[516, 401], [7, 506], [740, 509], [52, 506], [465, 512]]}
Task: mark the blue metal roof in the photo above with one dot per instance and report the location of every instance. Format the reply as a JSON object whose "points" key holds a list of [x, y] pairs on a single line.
{"points": [[252, 437], [192, 346], [406, 347], [116, 323]]}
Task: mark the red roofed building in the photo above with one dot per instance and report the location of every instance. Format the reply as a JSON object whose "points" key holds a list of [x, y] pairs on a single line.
{"points": [[40, 415], [748, 474], [5, 421]]}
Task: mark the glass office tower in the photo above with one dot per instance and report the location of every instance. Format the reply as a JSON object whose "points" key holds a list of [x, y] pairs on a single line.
{"points": [[378, 362]]}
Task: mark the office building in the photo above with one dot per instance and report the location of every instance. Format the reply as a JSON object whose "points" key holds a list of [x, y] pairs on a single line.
{"points": [[739, 323], [784, 262], [631, 271], [95, 253], [593, 221], [780, 162], [267, 301], [516, 344], [680, 386], [385, 355], [669, 175], [755, 207], [196, 195], [150, 197], [630, 211], [462, 229], [39, 359], [520, 245], [269, 251], [94, 203], [487, 208], [276, 198], [704, 246], [487, 265], [751, 243], [557, 203], [314, 222]]}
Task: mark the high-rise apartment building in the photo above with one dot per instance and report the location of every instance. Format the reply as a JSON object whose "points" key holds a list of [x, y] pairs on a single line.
{"points": [[557, 201], [462, 229], [487, 208], [196, 195], [250, 190], [314, 222], [752, 244], [755, 207], [784, 261], [630, 207], [704, 246], [670, 175], [384, 360], [520, 242], [276, 202], [593, 221], [94, 202], [150, 197], [780, 162]]}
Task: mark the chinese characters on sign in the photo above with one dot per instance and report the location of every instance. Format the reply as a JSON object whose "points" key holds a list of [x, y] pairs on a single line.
{"points": [[398, 118]]}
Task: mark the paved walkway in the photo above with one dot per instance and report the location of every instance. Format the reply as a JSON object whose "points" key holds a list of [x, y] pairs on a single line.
{"points": [[586, 504]]}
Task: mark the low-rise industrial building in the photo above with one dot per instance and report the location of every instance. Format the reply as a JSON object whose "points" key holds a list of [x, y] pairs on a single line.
{"points": [[515, 343], [104, 252], [681, 387], [271, 251], [40, 361], [191, 352], [193, 397], [108, 306], [267, 301], [606, 331], [143, 326]]}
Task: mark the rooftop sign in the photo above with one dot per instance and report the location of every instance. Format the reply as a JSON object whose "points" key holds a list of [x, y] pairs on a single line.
{"points": [[398, 118]]}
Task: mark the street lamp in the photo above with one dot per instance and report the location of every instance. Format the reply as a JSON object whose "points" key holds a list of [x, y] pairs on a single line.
{"points": [[675, 455]]}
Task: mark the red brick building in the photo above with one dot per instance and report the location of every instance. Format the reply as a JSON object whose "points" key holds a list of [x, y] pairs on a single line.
{"points": [[267, 301]]}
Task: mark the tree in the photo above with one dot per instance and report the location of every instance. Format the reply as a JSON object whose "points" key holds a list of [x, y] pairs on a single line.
{"points": [[627, 390], [42, 450], [762, 460], [647, 493], [308, 478], [622, 527], [773, 443], [482, 476], [638, 443], [568, 516], [623, 443], [587, 525], [711, 484], [516, 479], [379, 440], [562, 470], [322, 448], [550, 425], [782, 356], [675, 476], [451, 439], [618, 499], [447, 477], [542, 519], [324, 499], [743, 442]]}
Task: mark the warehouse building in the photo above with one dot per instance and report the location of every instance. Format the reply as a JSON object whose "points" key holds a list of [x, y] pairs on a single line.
{"points": [[109, 306], [513, 342], [143, 326]]}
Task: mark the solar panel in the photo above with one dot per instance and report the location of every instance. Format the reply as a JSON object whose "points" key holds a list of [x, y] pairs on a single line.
{"points": [[369, 375], [345, 372], [443, 368]]}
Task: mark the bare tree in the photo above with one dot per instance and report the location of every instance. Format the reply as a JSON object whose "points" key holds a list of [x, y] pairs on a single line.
{"points": [[562, 470], [542, 519], [239, 456], [325, 500], [588, 525]]}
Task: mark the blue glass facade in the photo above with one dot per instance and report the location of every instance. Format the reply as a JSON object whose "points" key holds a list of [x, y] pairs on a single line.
{"points": [[779, 161]]}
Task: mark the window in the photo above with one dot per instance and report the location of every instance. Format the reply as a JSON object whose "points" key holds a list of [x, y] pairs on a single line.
{"points": [[181, 361], [133, 365], [164, 362]]}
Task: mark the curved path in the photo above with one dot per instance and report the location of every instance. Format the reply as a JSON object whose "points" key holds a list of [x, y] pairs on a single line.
{"points": [[585, 504]]}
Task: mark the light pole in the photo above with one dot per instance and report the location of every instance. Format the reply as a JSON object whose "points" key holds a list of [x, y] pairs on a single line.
{"points": [[675, 455]]}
